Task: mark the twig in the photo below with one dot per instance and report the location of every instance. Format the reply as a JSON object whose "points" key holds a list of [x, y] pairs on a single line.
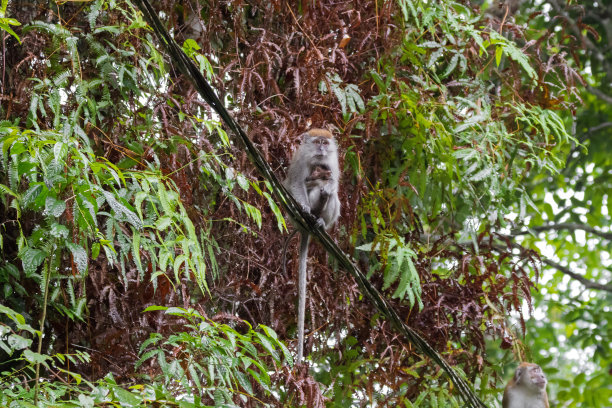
{"points": [[564, 226], [600, 94], [502, 248], [587, 283], [49, 264]]}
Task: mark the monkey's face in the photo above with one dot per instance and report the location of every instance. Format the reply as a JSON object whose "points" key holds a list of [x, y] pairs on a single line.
{"points": [[321, 146], [320, 173], [532, 376]]}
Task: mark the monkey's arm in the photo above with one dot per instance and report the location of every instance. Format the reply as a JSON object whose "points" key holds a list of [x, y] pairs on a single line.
{"points": [[331, 209], [298, 190], [296, 183]]}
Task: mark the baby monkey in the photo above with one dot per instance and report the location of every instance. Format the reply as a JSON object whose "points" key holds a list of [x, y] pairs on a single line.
{"points": [[316, 187]]}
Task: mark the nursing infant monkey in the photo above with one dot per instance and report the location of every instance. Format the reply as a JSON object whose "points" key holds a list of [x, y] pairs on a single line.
{"points": [[312, 178], [317, 194]]}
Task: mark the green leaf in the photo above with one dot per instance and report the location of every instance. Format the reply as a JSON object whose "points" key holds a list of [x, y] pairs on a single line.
{"points": [[54, 207], [86, 401], [126, 398], [122, 210], [267, 345], [178, 261], [4, 189], [136, 252], [31, 194], [154, 308], [36, 358], [253, 212], [5, 26], [16, 342], [163, 223], [280, 220], [31, 260], [95, 250], [514, 53], [13, 315], [58, 230], [79, 255], [244, 382]]}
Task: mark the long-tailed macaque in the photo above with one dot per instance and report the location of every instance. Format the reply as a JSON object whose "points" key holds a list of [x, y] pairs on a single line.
{"points": [[527, 389], [316, 185], [312, 178]]}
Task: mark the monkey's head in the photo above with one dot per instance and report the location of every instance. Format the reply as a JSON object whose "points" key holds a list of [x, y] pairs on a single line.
{"points": [[320, 143], [319, 173], [531, 376]]}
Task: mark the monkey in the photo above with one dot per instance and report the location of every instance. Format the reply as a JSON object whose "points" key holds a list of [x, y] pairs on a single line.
{"points": [[318, 149], [318, 173], [527, 389], [312, 179], [316, 185]]}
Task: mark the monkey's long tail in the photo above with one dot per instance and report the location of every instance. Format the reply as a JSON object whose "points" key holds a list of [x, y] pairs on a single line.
{"points": [[302, 294]]}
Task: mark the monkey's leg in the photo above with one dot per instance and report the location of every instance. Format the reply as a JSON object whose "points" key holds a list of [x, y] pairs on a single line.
{"points": [[319, 206], [302, 295]]}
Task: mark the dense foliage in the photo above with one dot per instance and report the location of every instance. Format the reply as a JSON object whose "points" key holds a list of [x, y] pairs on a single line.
{"points": [[571, 227], [141, 255]]}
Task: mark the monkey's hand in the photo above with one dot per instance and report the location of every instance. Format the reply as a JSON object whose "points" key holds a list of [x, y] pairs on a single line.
{"points": [[320, 223], [314, 219]]}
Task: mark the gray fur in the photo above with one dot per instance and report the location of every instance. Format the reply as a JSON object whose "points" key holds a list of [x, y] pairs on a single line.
{"points": [[318, 194]]}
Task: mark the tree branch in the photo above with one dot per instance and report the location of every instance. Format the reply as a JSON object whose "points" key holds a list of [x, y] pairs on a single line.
{"points": [[601, 95], [583, 139], [598, 127], [561, 11], [564, 226], [587, 283], [563, 269]]}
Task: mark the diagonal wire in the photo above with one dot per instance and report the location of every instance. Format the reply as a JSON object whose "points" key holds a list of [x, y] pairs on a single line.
{"points": [[305, 220]]}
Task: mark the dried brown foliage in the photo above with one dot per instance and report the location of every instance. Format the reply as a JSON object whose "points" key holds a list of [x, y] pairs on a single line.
{"points": [[270, 57]]}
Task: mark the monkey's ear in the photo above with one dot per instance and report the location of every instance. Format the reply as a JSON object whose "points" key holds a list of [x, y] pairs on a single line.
{"points": [[518, 374]]}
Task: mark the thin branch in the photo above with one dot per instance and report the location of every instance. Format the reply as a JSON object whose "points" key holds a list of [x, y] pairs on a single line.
{"points": [[564, 226], [601, 95], [561, 10], [587, 283], [586, 135], [563, 269], [598, 127]]}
